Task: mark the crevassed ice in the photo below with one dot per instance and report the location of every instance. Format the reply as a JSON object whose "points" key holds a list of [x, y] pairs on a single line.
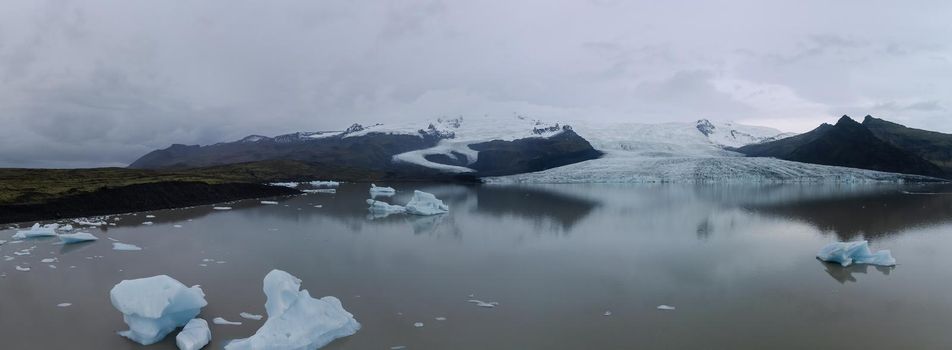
{"points": [[153, 307], [295, 319]]}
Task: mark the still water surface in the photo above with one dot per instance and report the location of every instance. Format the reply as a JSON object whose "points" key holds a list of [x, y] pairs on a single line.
{"points": [[737, 262]]}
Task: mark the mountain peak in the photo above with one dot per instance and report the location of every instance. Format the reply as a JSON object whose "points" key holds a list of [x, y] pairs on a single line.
{"points": [[845, 120]]}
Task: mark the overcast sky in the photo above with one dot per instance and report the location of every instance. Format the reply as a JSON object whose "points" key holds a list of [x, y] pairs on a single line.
{"points": [[92, 83]]}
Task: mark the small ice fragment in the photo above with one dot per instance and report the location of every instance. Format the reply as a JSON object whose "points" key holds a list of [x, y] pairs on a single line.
{"points": [[7, 258], [66, 227], [203, 265], [440, 318], [847, 253], [665, 307], [77, 237], [381, 190], [52, 266], [48, 260], [285, 184], [125, 246], [194, 335], [149, 216], [321, 190], [325, 183], [153, 307], [424, 203], [398, 347], [269, 202], [607, 313], [147, 223], [379, 207], [221, 208], [250, 316], [177, 226], [219, 320], [318, 206], [487, 305], [295, 319], [208, 260], [418, 324], [22, 252], [19, 268], [64, 304], [220, 262]]}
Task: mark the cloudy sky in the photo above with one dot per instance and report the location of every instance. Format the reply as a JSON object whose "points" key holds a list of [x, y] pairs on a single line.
{"points": [[93, 83]]}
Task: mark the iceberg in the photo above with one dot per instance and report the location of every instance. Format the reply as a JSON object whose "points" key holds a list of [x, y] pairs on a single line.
{"points": [[424, 203], [381, 190], [378, 207], [78, 237], [295, 319], [847, 253], [154, 306], [194, 336], [125, 246], [328, 184], [37, 231]]}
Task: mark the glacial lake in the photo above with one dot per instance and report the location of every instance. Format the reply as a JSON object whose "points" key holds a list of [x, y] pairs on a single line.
{"points": [[736, 262]]}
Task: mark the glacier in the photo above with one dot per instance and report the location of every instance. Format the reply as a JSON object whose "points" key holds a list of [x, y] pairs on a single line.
{"points": [[424, 203], [295, 319], [195, 335], [857, 252], [153, 307]]}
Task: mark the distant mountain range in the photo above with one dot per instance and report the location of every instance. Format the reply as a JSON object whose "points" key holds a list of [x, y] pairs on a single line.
{"points": [[874, 144], [584, 151]]}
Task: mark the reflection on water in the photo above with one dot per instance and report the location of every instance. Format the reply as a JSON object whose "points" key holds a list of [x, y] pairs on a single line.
{"points": [[737, 262]]}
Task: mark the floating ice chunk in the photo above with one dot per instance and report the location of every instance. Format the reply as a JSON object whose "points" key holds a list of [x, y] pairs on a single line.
{"points": [[418, 325], [379, 207], [481, 303], [219, 320], [64, 304], [269, 202], [251, 316], [607, 313], [221, 208], [665, 307], [48, 260], [324, 183], [77, 237], [398, 347], [424, 203], [295, 319], [125, 246], [37, 231], [177, 226], [24, 269], [66, 227], [2, 242], [150, 216], [194, 336], [321, 190], [847, 253], [381, 190], [285, 184], [87, 222], [148, 223], [440, 318], [154, 306]]}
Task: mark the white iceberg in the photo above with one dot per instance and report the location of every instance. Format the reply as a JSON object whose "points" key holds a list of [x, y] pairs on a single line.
{"points": [[125, 246], [78, 237], [194, 336], [381, 190], [424, 203], [379, 207], [295, 319], [847, 253], [37, 231], [154, 306], [328, 184]]}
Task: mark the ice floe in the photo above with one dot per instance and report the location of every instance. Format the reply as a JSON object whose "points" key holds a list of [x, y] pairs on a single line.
{"points": [[24, 269], [378, 207], [666, 307], [194, 335], [418, 324], [222, 321], [148, 223], [481, 303], [125, 246], [324, 183], [78, 237], [295, 319], [251, 316], [150, 216], [37, 231], [284, 184], [847, 253], [64, 304], [153, 307], [48, 260], [374, 189], [321, 190], [424, 203], [221, 208], [269, 202]]}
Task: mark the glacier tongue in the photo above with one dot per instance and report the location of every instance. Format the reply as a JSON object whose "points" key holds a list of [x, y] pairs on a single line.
{"points": [[295, 319]]}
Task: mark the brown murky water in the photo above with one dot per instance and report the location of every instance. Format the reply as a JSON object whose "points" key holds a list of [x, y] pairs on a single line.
{"points": [[737, 262]]}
